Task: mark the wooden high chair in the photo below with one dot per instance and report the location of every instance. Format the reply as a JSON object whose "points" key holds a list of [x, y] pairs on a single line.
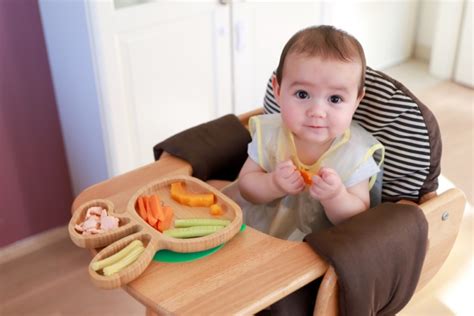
{"points": [[254, 270]]}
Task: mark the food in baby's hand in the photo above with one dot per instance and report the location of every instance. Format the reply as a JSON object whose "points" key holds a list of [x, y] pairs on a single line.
{"points": [[179, 194], [97, 221], [306, 176], [119, 260]]}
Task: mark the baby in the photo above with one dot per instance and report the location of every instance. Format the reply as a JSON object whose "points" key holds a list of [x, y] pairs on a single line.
{"points": [[319, 83]]}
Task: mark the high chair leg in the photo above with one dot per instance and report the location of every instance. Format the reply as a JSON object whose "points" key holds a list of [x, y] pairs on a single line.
{"points": [[326, 301]]}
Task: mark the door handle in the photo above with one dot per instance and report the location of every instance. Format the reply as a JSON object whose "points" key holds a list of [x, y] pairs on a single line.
{"points": [[224, 2]]}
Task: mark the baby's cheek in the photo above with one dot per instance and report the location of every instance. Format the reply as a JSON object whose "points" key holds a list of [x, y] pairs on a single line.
{"points": [[291, 117], [345, 120]]}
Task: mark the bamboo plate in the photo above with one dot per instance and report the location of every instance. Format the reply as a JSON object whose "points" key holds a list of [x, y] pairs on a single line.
{"points": [[132, 227]]}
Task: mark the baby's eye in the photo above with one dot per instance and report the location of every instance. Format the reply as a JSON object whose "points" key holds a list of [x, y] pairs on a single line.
{"points": [[335, 99], [301, 94]]}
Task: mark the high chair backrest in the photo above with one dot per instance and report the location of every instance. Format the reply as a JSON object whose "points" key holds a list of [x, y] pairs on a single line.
{"points": [[407, 129]]}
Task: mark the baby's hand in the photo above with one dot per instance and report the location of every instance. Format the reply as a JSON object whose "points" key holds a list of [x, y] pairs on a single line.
{"points": [[326, 185], [287, 178]]}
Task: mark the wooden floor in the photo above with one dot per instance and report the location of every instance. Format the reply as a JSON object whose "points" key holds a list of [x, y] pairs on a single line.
{"points": [[53, 279]]}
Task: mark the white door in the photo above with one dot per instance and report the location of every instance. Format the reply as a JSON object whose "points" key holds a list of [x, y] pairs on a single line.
{"points": [[385, 29], [260, 30], [162, 67], [464, 72]]}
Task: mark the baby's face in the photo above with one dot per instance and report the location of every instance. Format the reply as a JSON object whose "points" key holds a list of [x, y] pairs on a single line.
{"points": [[318, 97]]}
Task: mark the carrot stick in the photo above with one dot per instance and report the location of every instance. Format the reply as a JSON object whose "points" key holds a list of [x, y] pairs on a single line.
{"points": [[156, 208], [166, 223], [157, 225], [151, 219], [141, 208], [306, 176]]}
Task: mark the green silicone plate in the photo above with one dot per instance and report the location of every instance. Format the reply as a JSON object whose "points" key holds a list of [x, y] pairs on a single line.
{"points": [[174, 257]]}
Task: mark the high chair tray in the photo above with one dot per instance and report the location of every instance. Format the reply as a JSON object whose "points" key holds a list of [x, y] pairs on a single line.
{"points": [[252, 270]]}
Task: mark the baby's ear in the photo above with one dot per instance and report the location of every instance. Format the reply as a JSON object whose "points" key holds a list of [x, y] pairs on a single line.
{"points": [[276, 87], [361, 96]]}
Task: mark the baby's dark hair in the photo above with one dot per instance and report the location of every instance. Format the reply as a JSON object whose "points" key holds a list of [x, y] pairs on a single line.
{"points": [[324, 41]]}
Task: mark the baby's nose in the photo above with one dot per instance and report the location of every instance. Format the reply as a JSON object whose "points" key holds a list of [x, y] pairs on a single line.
{"points": [[317, 109]]}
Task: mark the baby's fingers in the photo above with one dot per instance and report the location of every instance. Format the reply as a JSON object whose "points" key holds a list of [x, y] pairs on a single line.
{"points": [[286, 168], [319, 183], [329, 176], [297, 185], [287, 164], [315, 191]]}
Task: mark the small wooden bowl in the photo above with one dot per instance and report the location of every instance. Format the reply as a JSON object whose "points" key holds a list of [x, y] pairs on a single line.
{"points": [[154, 240], [126, 226], [132, 271]]}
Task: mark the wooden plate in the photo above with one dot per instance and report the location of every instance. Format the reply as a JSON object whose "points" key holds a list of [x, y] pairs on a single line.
{"points": [[133, 227]]}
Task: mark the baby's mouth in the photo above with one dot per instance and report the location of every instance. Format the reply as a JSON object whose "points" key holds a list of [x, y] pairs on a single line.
{"points": [[316, 126]]}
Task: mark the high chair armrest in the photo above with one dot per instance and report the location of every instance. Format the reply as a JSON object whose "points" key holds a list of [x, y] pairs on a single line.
{"points": [[388, 243], [443, 214], [215, 150]]}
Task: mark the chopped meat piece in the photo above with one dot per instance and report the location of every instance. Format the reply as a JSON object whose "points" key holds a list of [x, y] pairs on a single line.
{"points": [[108, 222], [97, 221], [79, 228], [90, 223], [94, 210], [95, 231]]}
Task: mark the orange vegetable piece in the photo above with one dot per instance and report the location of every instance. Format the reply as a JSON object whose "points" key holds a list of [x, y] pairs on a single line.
{"points": [[151, 219], [168, 219], [216, 209], [156, 209], [142, 208], [306, 176], [201, 200], [179, 194]]}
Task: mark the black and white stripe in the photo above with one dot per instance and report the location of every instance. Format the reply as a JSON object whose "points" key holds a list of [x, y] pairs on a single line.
{"points": [[396, 121], [270, 104]]}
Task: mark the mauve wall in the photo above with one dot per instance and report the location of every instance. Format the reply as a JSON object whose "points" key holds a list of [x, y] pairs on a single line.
{"points": [[35, 189]]}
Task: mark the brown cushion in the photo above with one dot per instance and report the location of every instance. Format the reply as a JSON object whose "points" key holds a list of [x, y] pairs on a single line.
{"points": [[377, 255], [215, 150]]}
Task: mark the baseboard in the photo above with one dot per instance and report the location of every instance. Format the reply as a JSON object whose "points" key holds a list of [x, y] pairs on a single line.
{"points": [[32, 243], [422, 52]]}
